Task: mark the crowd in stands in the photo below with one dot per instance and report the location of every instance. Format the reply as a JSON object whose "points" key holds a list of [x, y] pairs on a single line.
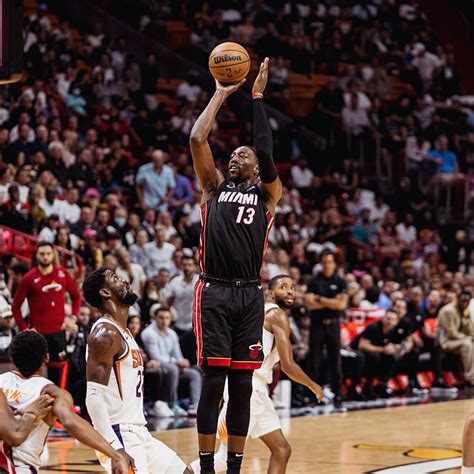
{"points": [[92, 162], [390, 91]]}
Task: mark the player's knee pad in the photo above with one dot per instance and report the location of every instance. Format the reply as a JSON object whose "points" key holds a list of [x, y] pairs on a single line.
{"points": [[211, 394], [238, 409]]}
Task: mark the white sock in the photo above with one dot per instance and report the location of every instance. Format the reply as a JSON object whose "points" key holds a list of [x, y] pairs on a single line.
{"points": [[467, 470]]}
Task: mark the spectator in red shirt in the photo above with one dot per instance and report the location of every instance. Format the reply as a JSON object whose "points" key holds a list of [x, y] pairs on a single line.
{"points": [[44, 286]]}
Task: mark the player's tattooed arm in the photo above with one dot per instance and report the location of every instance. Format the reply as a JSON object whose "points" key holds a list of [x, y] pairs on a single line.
{"points": [[280, 327], [104, 344], [201, 153]]}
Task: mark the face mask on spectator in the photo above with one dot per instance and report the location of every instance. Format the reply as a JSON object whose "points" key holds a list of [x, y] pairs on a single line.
{"points": [[120, 221]]}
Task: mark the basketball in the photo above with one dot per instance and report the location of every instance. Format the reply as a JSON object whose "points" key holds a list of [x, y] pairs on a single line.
{"points": [[229, 62]]}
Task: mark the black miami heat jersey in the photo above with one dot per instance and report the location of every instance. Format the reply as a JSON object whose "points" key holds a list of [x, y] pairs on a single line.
{"points": [[234, 233]]}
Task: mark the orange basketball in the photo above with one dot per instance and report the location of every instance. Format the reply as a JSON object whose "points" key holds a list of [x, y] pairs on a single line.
{"points": [[229, 62]]}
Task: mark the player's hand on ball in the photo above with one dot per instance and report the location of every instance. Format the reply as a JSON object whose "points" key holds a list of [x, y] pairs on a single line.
{"points": [[124, 464], [318, 391], [262, 78], [228, 89]]}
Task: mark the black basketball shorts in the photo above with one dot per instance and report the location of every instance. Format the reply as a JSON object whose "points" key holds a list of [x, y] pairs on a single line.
{"points": [[228, 323]]}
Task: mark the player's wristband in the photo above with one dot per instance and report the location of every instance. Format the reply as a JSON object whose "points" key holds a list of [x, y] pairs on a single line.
{"points": [[257, 95]]}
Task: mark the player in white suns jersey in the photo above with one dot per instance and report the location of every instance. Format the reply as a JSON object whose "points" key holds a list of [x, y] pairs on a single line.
{"points": [[115, 379], [15, 429], [24, 385], [264, 421]]}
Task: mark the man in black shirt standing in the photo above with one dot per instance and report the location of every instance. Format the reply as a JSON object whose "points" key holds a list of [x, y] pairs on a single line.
{"points": [[327, 299]]}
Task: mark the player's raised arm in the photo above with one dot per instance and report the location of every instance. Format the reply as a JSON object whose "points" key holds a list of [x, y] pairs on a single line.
{"points": [[83, 431], [281, 330], [263, 141], [201, 153]]}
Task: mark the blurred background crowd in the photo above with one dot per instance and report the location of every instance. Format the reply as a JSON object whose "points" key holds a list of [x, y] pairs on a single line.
{"points": [[373, 140]]}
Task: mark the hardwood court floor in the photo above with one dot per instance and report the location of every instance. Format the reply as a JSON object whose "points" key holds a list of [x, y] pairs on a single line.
{"points": [[370, 441]]}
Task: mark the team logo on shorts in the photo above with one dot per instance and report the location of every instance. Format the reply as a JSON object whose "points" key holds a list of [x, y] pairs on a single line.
{"points": [[255, 349]]}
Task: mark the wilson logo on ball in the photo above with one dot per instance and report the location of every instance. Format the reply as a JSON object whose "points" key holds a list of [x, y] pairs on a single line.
{"points": [[225, 58]]}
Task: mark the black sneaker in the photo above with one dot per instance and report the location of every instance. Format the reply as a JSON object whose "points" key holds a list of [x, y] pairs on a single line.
{"points": [[383, 391], [369, 394], [354, 396], [337, 402], [415, 388]]}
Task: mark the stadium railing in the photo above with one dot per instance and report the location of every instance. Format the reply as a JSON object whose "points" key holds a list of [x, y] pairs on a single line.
{"points": [[23, 246]]}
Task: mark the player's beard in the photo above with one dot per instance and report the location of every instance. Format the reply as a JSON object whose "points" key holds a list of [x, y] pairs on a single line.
{"points": [[44, 264], [237, 179], [283, 304], [129, 298]]}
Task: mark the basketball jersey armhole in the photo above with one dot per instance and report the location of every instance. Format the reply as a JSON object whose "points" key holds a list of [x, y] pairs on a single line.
{"points": [[269, 307]]}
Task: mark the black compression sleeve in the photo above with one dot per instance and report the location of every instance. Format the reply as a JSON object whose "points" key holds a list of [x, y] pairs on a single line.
{"points": [[263, 142]]}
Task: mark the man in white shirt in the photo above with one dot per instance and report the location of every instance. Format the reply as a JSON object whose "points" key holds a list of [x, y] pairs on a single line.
{"points": [[181, 299], [181, 291], [49, 231], [189, 90], [379, 210], [354, 118], [5, 181], [16, 132], [70, 211], [406, 230], [427, 64], [160, 253], [363, 101], [50, 204], [155, 182], [23, 180], [129, 271], [302, 176], [138, 252], [161, 344]]}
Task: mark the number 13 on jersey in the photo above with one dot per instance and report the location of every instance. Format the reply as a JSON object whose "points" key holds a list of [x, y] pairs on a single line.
{"points": [[245, 215]]}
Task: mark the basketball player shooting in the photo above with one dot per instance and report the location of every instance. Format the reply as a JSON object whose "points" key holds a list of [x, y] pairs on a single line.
{"points": [[264, 421], [237, 214], [115, 379], [24, 386]]}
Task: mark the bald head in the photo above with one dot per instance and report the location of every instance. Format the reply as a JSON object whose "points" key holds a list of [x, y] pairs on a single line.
{"points": [[158, 158]]}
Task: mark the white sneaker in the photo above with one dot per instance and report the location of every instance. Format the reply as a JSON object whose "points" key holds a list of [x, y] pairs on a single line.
{"points": [[192, 409], [177, 411], [161, 410]]}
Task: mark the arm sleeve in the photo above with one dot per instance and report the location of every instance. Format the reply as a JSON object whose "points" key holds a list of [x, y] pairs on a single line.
{"points": [[99, 415], [263, 142], [74, 292], [20, 296]]}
